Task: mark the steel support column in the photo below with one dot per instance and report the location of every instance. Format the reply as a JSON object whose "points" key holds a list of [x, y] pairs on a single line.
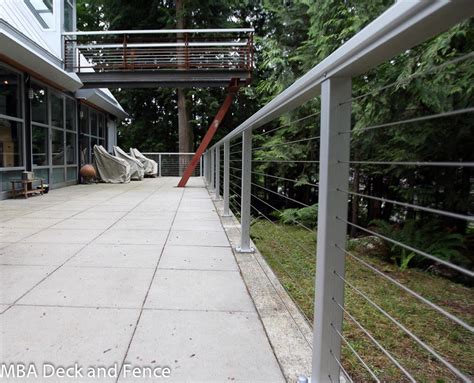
{"points": [[226, 212], [233, 88], [246, 193], [333, 175], [213, 168]]}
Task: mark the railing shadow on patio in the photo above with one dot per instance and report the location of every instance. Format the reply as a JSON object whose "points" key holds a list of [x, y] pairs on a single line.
{"points": [[253, 174]]}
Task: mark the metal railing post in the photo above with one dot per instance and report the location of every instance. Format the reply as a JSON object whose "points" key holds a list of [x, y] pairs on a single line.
{"points": [[246, 192], [213, 168], [226, 212], [333, 175], [207, 166], [218, 172], [159, 165], [200, 165]]}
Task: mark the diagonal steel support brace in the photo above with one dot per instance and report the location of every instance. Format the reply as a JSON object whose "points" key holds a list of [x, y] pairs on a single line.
{"points": [[233, 89]]}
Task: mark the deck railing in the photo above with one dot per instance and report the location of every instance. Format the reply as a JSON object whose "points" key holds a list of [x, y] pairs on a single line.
{"points": [[249, 173], [173, 164], [150, 50]]}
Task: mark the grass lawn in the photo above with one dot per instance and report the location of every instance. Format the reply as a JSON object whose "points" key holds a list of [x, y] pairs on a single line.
{"points": [[290, 250]]}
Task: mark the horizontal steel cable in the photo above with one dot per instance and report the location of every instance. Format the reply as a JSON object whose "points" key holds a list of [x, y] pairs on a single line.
{"points": [[411, 206], [288, 161], [341, 367], [283, 178], [288, 124], [287, 236], [411, 163], [280, 195], [412, 76], [411, 120], [285, 143], [407, 247], [376, 342], [453, 369], [297, 222], [409, 291], [278, 210], [347, 343]]}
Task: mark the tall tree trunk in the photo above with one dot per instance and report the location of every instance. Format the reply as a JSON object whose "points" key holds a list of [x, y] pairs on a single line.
{"points": [[185, 132]]}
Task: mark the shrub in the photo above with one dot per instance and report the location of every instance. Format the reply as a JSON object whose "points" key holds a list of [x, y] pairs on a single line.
{"points": [[307, 216], [431, 238]]}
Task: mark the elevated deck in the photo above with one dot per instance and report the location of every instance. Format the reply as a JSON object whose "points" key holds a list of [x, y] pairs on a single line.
{"points": [[174, 58]]}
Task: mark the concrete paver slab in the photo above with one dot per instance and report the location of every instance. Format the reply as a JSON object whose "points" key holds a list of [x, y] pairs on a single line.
{"points": [[198, 258], [37, 254], [106, 255], [92, 287], [133, 237], [64, 236], [198, 238], [17, 280], [205, 346], [203, 290], [64, 336]]}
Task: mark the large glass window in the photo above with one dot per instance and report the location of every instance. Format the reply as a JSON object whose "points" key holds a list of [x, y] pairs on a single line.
{"points": [[70, 148], [68, 15], [70, 114], [57, 111], [84, 120], [43, 11], [57, 146], [39, 104], [93, 123], [10, 93], [11, 143], [40, 140]]}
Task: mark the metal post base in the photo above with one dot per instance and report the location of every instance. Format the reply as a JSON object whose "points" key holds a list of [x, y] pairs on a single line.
{"points": [[238, 249]]}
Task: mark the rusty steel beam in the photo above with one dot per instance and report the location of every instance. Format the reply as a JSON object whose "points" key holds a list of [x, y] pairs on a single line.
{"points": [[233, 89]]}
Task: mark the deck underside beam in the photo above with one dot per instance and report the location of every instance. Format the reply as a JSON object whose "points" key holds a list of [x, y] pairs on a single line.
{"points": [[163, 78]]}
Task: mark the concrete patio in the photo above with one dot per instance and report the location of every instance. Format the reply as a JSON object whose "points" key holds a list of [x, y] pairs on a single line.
{"points": [[138, 274]]}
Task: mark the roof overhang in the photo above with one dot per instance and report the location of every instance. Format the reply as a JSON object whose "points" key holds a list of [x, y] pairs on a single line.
{"points": [[102, 101], [19, 51]]}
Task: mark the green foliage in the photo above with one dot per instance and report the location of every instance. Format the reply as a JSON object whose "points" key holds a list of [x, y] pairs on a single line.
{"points": [[431, 237], [307, 216]]}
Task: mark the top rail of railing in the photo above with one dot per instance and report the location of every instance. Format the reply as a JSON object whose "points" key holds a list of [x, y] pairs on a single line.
{"points": [[402, 26], [157, 49]]}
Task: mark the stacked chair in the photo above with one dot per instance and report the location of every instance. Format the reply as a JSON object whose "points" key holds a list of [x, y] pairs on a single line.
{"points": [[151, 167], [137, 169], [111, 169]]}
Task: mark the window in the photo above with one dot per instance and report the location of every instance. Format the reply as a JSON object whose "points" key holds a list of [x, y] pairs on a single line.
{"points": [[57, 111], [84, 120], [68, 15], [39, 104], [39, 135], [10, 93], [70, 114], [93, 123], [11, 125], [57, 146], [70, 148], [10, 143], [43, 11]]}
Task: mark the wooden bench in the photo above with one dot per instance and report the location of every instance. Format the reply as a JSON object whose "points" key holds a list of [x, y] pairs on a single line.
{"points": [[27, 187]]}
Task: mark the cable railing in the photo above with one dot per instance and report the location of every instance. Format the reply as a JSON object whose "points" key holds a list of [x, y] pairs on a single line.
{"points": [[336, 196], [174, 164], [151, 50]]}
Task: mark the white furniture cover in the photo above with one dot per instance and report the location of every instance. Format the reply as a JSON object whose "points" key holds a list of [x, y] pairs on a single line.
{"points": [[137, 169], [151, 167], [109, 168]]}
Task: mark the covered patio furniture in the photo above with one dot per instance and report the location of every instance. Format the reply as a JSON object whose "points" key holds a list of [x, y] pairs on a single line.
{"points": [[109, 168], [151, 167], [137, 169]]}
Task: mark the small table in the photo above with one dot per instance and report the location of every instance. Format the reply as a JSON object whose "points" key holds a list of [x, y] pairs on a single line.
{"points": [[27, 187]]}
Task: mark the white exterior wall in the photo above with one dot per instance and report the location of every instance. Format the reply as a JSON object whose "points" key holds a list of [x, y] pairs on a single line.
{"points": [[111, 135], [17, 14]]}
